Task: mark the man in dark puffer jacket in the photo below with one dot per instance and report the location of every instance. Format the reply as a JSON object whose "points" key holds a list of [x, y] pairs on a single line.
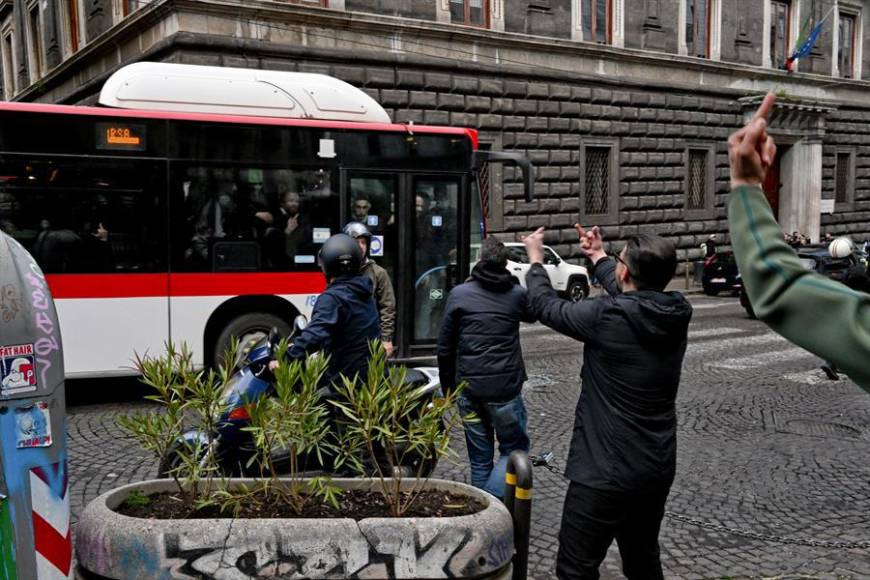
{"points": [[479, 343]]}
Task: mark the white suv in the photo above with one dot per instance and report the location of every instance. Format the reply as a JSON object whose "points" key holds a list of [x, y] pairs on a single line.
{"points": [[567, 279]]}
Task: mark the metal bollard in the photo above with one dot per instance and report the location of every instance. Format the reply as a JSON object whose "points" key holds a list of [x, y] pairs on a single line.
{"points": [[35, 537], [518, 500]]}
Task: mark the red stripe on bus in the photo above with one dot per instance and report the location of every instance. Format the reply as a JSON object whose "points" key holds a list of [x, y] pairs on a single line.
{"points": [[156, 285], [218, 118]]}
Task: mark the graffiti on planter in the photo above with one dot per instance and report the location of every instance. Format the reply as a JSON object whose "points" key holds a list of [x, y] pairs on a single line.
{"points": [[333, 551]]}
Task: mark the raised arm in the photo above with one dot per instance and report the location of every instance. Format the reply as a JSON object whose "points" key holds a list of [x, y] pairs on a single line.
{"points": [[814, 312], [574, 319]]}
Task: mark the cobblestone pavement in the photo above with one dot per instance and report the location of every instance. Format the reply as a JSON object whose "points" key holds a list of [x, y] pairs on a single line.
{"points": [[772, 474]]}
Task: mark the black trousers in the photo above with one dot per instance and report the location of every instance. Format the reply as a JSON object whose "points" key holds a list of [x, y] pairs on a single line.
{"points": [[593, 518]]}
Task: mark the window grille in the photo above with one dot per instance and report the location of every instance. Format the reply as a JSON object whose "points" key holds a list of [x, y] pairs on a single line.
{"points": [[697, 190], [483, 184], [844, 162], [597, 180]]}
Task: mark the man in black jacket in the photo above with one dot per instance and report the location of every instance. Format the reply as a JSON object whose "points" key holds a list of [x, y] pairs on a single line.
{"points": [[479, 343], [623, 450]]}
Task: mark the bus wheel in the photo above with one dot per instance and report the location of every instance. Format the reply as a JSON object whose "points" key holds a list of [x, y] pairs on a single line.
{"points": [[246, 327]]}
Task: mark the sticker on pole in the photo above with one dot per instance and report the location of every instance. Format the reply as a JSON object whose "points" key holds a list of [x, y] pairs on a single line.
{"points": [[377, 247], [17, 369], [33, 425]]}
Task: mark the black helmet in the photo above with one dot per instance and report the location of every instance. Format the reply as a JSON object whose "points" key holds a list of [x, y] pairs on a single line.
{"points": [[357, 230], [340, 256]]}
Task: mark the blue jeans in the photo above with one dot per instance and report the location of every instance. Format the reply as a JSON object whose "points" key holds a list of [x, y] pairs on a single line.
{"points": [[503, 421]]}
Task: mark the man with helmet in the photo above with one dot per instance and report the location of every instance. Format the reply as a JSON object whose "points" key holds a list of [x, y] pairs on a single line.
{"points": [[384, 295], [344, 318]]}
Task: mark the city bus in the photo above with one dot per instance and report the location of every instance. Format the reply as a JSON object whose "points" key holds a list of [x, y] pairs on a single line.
{"points": [[190, 204]]}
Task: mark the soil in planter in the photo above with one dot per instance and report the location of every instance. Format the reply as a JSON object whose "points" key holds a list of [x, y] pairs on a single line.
{"points": [[353, 504]]}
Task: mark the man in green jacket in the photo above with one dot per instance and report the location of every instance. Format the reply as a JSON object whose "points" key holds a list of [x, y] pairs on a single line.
{"points": [[814, 312]]}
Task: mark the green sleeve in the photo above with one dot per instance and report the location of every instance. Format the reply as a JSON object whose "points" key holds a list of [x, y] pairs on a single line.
{"points": [[816, 313]]}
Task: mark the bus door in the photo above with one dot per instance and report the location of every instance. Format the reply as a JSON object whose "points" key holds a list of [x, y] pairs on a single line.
{"points": [[415, 221]]}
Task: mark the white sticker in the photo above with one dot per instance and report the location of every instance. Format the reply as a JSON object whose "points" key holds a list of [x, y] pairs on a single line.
{"points": [[17, 369], [33, 426], [377, 247], [436, 294], [327, 149], [303, 259], [372, 220], [436, 221], [320, 235]]}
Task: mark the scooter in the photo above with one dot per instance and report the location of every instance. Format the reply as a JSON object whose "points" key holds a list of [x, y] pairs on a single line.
{"points": [[231, 445]]}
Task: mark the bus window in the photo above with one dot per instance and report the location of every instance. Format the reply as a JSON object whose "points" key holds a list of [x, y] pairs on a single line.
{"points": [[436, 229], [237, 219], [78, 215], [373, 202]]}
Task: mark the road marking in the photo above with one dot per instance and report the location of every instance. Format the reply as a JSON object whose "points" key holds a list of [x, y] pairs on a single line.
{"points": [[704, 306], [730, 344], [762, 359], [715, 332], [813, 376]]}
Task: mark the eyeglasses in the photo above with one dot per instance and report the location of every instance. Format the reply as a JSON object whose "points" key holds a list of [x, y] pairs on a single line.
{"points": [[623, 262]]}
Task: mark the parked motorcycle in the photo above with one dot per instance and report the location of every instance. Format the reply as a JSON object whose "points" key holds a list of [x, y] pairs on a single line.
{"points": [[252, 379]]}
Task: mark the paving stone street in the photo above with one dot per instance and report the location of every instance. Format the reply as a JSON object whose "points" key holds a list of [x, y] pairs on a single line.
{"points": [[772, 475]]}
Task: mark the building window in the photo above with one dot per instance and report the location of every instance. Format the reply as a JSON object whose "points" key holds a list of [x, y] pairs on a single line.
{"points": [[597, 16], [9, 76], [124, 8], [780, 32], [597, 177], [700, 180], [73, 35], [470, 12], [846, 46], [845, 177], [599, 197], [34, 41], [696, 193], [698, 17]]}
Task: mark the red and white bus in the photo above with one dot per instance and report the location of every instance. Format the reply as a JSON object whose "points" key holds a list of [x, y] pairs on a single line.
{"points": [[192, 207]]}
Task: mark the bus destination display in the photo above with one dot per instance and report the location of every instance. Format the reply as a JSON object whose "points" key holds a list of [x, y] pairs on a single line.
{"points": [[120, 137]]}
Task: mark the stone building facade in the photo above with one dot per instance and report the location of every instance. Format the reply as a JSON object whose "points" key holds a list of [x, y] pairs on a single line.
{"points": [[623, 105]]}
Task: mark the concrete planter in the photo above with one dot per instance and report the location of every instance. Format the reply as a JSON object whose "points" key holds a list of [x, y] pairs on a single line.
{"points": [[110, 545]]}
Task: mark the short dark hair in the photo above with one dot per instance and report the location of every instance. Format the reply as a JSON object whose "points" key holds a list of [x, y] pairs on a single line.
{"points": [[493, 251], [651, 261]]}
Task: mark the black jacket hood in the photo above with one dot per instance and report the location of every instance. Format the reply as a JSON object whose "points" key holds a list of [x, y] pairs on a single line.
{"points": [[358, 285], [492, 277], [658, 319]]}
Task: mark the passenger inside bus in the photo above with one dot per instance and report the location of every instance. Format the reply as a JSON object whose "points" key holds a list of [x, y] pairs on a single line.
{"points": [[291, 235]]}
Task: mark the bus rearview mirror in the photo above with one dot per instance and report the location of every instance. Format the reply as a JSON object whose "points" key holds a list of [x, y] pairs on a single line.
{"points": [[481, 158]]}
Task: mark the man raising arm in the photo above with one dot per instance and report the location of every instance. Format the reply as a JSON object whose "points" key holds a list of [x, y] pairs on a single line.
{"points": [[622, 457]]}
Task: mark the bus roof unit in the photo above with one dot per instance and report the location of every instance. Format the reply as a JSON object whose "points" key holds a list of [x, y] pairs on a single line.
{"points": [[238, 91]]}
